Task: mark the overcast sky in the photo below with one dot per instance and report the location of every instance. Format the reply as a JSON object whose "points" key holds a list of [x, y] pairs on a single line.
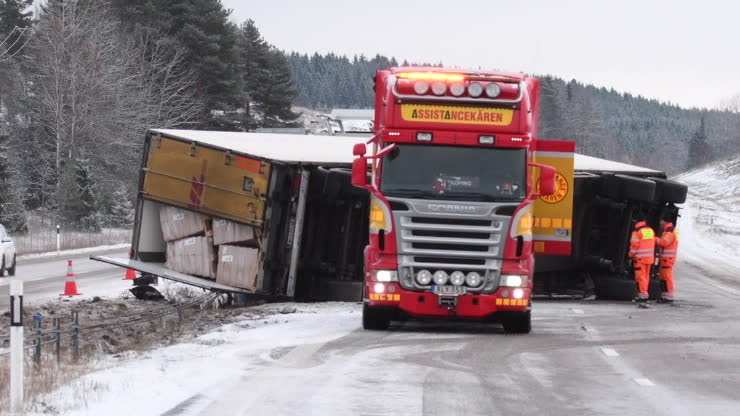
{"points": [[684, 52]]}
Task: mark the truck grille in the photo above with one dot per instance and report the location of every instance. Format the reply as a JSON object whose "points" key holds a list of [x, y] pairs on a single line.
{"points": [[432, 240]]}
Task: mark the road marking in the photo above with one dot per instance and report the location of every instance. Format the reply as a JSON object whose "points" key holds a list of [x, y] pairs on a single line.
{"points": [[610, 352], [643, 382], [578, 311]]}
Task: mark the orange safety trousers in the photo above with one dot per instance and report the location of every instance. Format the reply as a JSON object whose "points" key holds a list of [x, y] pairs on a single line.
{"points": [[642, 275], [669, 245]]}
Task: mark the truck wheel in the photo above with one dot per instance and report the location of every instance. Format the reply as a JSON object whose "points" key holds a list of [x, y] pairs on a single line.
{"points": [[669, 191], [11, 271], [615, 288], [518, 323], [374, 319]]}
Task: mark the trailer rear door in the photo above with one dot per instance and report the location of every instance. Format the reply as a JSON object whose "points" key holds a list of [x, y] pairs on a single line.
{"points": [[553, 214]]}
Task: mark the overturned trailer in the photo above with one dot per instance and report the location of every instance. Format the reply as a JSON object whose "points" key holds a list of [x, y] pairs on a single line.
{"points": [[310, 224]]}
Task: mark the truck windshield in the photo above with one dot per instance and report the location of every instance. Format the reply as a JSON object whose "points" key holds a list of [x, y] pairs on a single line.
{"points": [[455, 172]]}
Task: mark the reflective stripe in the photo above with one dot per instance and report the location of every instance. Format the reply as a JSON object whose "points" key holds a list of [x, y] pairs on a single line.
{"points": [[667, 295], [645, 250], [643, 256], [634, 239], [643, 295]]}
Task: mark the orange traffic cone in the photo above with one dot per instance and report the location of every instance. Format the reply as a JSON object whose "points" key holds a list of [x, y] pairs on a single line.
{"points": [[130, 274], [70, 287]]}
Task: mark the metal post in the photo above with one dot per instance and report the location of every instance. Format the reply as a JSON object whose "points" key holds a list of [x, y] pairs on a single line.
{"points": [[297, 234], [58, 339], [59, 241], [75, 336], [16, 346]]}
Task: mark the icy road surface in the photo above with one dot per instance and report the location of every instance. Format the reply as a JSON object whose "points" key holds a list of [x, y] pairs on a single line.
{"points": [[44, 277], [606, 358]]}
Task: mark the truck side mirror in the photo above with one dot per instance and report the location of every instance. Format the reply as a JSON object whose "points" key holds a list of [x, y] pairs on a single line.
{"points": [[547, 180], [359, 170], [359, 150]]}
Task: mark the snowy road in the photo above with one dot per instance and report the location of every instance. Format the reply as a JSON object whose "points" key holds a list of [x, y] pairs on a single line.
{"points": [[44, 278], [606, 358]]}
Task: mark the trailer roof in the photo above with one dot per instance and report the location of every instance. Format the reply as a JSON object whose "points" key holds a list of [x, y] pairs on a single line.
{"points": [[287, 148], [585, 163], [337, 150]]}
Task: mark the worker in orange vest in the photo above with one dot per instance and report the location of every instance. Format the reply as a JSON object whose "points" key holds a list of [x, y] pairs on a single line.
{"points": [[668, 248], [642, 253]]}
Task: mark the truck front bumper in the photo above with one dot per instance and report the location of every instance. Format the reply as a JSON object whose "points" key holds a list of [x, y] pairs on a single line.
{"points": [[431, 305]]}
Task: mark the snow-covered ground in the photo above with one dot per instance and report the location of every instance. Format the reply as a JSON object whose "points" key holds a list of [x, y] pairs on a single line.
{"points": [[152, 383], [709, 226]]}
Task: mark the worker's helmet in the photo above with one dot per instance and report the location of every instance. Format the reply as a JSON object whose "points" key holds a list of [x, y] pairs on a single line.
{"points": [[640, 225]]}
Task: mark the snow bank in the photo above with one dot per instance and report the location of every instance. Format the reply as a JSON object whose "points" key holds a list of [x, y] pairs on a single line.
{"points": [[709, 226]]}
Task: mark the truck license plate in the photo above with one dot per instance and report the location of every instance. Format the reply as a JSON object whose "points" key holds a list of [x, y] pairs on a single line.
{"points": [[449, 290]]}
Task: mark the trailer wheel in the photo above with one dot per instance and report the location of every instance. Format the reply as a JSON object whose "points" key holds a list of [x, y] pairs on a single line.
{"points": [[623, 187], [615, 288], [375, 319], [637, 189], [518, 323], [669, 191]]}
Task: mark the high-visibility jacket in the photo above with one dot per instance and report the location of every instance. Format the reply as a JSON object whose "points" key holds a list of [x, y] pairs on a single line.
{"points": [[668, 242], [642, 244]]}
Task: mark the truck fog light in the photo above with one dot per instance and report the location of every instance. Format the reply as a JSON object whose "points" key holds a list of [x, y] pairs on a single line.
{"points": [[440, 277], [473, 279], [379, 288], [424, 277], [518, 293], [439, 88], [457, 278]]}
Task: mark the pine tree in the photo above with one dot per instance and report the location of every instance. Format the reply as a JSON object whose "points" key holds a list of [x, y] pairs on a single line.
{"points": [[80, 203], [12, 213], [267, 81], [699, 150], [122, 209]]}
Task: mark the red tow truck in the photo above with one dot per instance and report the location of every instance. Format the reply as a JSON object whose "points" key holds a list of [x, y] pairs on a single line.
{"points": [[454, 180]]}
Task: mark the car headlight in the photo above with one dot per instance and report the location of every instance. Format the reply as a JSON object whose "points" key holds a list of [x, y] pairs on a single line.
{"points": [[385, 275], [513, 280]]}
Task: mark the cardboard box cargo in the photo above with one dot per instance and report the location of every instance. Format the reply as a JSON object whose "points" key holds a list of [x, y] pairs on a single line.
{"points": [[225, 232], [179, 223], [238, 266], [193, 255]]}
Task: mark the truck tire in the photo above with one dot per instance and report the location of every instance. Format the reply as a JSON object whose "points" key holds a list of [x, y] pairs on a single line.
{"points": [[623, 187], [518, 323], [375, 319], [669, 191], [615, 288]]}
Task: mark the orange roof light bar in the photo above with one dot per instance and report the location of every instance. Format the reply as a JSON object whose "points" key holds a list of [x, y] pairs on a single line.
{"points": [[434, 76]]}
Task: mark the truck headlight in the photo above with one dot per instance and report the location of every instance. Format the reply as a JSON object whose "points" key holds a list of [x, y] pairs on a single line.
{"points": [[424, 277], [513, 280], [457, 278], [384, 275], [440, 277]]}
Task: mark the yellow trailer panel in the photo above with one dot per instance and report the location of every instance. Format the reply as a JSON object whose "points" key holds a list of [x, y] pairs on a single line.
{"points": [[212, 181]]}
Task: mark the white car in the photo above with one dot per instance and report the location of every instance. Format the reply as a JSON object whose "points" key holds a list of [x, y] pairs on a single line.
{"points": [[8, 247]]}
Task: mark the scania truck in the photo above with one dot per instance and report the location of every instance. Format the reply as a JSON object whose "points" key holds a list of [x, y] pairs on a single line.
{"points": [[464, 196]]}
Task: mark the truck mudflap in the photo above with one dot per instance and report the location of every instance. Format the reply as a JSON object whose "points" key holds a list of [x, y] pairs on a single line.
{"points": [[159, 269]]}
